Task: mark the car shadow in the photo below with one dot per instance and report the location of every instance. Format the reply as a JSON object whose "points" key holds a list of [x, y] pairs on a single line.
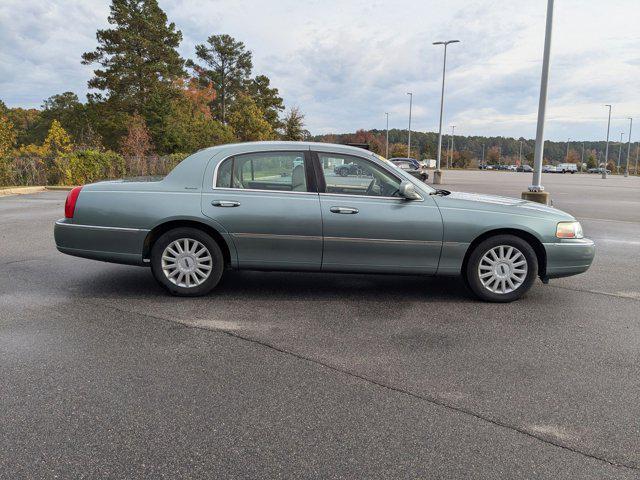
{"points": [[130, 282]]}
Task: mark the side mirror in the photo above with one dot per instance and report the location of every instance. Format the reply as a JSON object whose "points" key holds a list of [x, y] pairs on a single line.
{"points": [[408, 191]]}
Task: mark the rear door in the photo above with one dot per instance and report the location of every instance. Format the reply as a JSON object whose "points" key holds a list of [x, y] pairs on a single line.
{"points": [[268, 202], [368, 227]]}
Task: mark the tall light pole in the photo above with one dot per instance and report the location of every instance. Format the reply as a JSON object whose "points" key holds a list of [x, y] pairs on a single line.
{"points": [[566, 159], [626, 169], [536, 190], [437, 174], [409, 140], [637, 153], [387, 148], [582, 158], [620, 152], [453, 131], [482, 162], [606, 150], [520, 155]]}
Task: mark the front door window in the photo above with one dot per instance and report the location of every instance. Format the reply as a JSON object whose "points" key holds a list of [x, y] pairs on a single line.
{"points": [[346, 174]]}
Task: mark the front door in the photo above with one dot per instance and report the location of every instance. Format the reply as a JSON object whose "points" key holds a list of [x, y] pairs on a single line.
{"points": [[269, 204], [368, 227]]}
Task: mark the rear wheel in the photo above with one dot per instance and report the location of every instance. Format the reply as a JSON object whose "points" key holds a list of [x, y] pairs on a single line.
{"points": [[187, 262], [502, 268]]}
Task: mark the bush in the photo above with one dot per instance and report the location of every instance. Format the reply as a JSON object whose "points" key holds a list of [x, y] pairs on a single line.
{"points": [[87, 166]]}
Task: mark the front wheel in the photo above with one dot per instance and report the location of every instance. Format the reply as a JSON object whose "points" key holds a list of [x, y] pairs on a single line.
{"points": [[502, 268], [187, 262]]}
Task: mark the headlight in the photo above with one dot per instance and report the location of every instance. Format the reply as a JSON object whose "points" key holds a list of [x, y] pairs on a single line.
{"points": [[569, 230]]}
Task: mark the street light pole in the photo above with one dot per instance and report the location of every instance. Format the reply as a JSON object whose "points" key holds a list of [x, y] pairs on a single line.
{"points": [[453, 130], [409, 141], [582, 158], [606, 150], [482, 163], [536, 190], [437, 174], [626, 169], [520, 155], [637, 152], [387, 148], [566, 159], [619, 152]]}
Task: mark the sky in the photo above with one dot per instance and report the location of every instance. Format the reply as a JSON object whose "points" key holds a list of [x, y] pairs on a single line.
{"points": [[345, 63]]}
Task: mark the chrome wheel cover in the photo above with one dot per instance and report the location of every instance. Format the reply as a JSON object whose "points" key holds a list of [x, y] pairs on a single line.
{"points": [[503, 269], [186, 262]]}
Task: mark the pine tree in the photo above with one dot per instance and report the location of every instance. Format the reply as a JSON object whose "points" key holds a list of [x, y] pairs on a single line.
{"points": [[293, 125], [227, 65], [138, 55]]}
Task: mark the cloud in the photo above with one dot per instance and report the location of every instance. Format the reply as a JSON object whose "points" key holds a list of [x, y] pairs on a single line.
{"points": [[347, 63]]}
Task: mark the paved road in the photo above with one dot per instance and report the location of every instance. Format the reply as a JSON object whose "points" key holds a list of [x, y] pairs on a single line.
{"points": [[321, 376]]}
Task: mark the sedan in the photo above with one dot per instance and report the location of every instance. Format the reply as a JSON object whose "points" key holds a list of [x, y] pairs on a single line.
{"points": [[251, 206], [524, 168]]}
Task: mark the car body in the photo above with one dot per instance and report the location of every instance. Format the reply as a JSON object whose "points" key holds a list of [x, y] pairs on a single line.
{"points": [[598, 170], [549, 169], [246, 206], [512, 168], [410, 168], [566, 168], [524, 168]]}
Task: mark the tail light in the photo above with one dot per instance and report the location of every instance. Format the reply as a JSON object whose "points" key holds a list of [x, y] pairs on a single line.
{"points": [[70, 203]]}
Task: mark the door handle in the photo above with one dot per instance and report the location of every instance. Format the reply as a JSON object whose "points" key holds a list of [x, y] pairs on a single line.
{"points": [[225, 203], [344, 210]]}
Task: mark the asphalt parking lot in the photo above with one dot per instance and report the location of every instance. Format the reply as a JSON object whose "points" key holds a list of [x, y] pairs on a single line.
{"points": [[280, 375]]}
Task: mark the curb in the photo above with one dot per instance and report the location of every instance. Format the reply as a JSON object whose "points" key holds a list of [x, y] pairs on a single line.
{"points": [[20, 190], [59, 187]]}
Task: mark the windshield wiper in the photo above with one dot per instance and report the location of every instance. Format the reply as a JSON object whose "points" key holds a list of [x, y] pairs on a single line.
{"points": [[442, 192]]}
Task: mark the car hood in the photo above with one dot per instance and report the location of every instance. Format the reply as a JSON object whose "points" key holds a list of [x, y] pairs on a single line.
{"points": [[484, 202]]}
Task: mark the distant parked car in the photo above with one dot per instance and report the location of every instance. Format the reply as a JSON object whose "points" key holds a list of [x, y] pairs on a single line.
{"points": [[409, 167], [567, 167], [347, 169], [548, 169], [598, 170], [415, 163], [524, 168], [512, 168]]}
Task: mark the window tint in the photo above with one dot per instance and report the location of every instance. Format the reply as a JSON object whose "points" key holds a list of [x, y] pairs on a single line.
{"points": [[280, 171], [357, 176]]}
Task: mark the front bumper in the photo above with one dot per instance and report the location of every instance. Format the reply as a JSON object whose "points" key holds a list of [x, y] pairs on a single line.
{"points": [[568, 257]]}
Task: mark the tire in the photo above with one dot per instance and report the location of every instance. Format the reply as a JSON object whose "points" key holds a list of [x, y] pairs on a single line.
{"points": [[343, 172], [494, 287], [186, 276]]}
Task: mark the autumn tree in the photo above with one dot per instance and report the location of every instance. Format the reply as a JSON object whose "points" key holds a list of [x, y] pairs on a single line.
{"points": [[572, 157], [137, 143], [293, 125], [247, 120], [227, 65], [69, 111], [7, 136], [190, 124]]}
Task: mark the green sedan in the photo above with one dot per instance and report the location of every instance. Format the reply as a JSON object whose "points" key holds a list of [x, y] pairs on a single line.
{"points": [[281, 206]]}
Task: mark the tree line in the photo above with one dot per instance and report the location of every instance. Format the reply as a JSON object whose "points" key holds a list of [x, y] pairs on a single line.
{"points": [[467, 151], [147, 106]]}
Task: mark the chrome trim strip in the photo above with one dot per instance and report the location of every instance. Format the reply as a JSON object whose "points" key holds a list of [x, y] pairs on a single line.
{"points": [[455, 244], [382, 240], [249, 190], [589, 243], [100, 227], [355, 195], [274, 236]]}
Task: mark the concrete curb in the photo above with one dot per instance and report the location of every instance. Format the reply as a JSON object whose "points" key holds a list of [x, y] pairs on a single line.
{"points": [[20, 190], [59, 187]]}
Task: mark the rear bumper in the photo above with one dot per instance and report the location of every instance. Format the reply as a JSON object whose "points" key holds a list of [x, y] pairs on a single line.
{"points": [[108, 244], [569, 257]]}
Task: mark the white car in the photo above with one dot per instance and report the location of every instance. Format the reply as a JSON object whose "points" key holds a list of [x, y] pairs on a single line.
{"points": [[567, 167], [549, 169]]}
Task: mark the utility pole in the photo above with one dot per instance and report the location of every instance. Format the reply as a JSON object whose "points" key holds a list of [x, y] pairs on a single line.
{"points": [[482, 162], [566, 159], [606, 150], [536, 191], [637, 152], [626, 169], [387, 149], [409, 140], [437, 174]]}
